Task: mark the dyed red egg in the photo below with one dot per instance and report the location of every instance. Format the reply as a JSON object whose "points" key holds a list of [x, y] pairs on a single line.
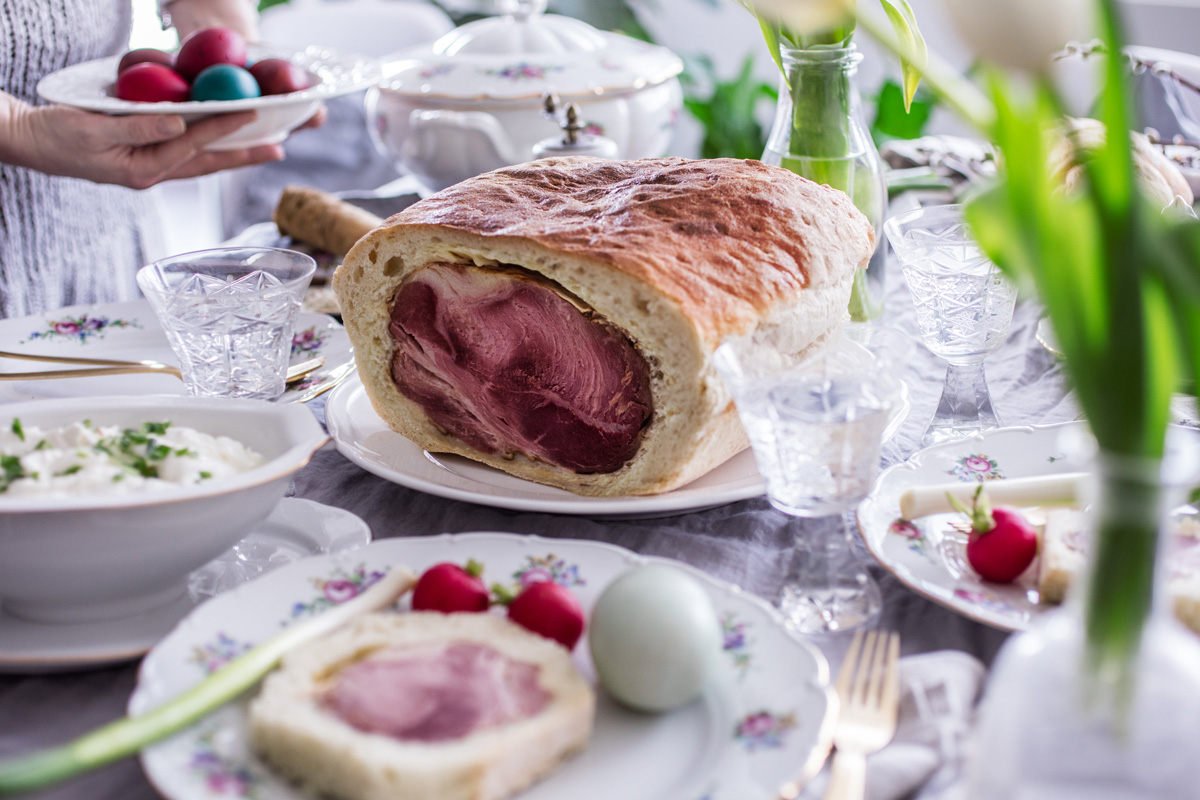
{"points": [[149, 82], [280, 76], [209, 46], [143, 55]]}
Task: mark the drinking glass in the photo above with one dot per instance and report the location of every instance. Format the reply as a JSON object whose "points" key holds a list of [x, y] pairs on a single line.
{"points": [[964, 308], [229, 314], [816, 422]]}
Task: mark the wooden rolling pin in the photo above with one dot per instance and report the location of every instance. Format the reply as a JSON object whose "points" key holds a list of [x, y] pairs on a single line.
{"points": [[322, 220]]}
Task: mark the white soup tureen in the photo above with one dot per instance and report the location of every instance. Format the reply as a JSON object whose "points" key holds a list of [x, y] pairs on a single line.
{"points": [[473, 100]]}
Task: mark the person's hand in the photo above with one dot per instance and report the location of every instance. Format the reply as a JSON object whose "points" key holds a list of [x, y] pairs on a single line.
{"points": [[189, 16], [137, 151]]}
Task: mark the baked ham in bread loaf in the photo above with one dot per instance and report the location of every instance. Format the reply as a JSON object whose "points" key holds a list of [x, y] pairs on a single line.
{"points": [[557, 319], [421, 706]]}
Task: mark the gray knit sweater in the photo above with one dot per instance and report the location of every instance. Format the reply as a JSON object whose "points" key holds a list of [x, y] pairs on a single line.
{"points": [[63, 241]]}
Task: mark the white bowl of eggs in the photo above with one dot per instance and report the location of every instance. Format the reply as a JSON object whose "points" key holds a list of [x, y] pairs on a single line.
{"points": [[215, 71], [106, 504]]}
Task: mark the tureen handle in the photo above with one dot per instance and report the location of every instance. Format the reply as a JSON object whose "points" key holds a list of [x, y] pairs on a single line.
{"points": [[521, 9]]}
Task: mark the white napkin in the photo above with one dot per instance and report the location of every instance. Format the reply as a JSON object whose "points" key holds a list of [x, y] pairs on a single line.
{"points": [[938, 694]]}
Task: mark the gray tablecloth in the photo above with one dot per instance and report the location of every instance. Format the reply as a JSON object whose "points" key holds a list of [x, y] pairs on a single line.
{"points": [[747, 543]]}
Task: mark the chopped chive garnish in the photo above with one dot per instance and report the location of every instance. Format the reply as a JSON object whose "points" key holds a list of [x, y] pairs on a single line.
{"points": [[17, 429], [12, 470], [205, 475], [71, 470]]}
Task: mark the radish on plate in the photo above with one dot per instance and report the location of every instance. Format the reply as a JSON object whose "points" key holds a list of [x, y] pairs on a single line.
{"points": [[1002, 542]]}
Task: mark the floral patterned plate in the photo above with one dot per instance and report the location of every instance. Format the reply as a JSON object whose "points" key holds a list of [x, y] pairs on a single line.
{"points": [[130, 331], [927, 554], [766, 719]]}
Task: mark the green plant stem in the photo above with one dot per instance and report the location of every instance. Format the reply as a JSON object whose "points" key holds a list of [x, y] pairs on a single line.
{"points": [[1120, 591], [127, 736], [960, 94]]}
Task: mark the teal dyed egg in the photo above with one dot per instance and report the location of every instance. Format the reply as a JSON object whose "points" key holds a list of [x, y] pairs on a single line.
{"points": [[225, 82]]}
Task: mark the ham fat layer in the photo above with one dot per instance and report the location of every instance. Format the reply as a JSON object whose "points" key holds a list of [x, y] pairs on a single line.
{"points": [[507, 365]]}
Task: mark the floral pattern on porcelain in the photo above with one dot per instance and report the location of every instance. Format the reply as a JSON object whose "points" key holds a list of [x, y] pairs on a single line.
{"points": [[908, 530], [222, 776], [976, 468], [735, 642], [213, 655], [336, 590], [763, 730], [308, 341], [80, 329], [548, 568], [983, 599], [522, 71], [436, 70]]}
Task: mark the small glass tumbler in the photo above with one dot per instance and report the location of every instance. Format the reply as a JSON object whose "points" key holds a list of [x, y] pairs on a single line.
{"points": [[964, 308], [816, 423], [229, 314]]}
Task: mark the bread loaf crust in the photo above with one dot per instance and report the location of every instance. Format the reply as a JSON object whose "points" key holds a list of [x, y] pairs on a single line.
{"points": [[677, 254]]}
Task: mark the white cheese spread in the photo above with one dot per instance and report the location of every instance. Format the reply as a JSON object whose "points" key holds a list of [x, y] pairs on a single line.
{"points": [[82, 458]]}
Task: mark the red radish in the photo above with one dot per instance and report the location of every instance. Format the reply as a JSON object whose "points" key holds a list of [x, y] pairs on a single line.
{"points": [[448, 587], [1003, 544], [151, 83], [209, 46], [142, 55], [550, 609]]}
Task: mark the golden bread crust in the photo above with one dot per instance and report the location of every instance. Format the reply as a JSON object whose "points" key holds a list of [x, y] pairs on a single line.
{"points": [[677, 254]]}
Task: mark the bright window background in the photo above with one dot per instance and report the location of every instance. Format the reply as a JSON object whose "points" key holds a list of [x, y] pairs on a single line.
{"points": [[147, 30]]}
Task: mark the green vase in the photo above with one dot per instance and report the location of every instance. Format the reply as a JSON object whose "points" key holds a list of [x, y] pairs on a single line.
{"points": [[819, 133]]}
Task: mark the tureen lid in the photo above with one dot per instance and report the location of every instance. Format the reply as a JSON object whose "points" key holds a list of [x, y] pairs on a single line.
{"points": [[526, 53]]}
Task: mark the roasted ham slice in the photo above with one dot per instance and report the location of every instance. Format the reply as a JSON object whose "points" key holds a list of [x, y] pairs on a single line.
{"points": [[503, 362]]}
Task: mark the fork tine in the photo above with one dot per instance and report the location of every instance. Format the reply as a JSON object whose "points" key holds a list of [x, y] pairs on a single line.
{"points": [[874, 692], [889, 699], [846, 673], [863, 673]]}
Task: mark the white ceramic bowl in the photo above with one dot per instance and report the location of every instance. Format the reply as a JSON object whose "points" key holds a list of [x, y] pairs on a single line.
{"points": [[89, 86], [96, 557]]}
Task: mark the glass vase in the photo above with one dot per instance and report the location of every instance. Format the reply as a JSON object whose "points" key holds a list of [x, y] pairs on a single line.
{"points": [[818, 133], [1099, 699]]}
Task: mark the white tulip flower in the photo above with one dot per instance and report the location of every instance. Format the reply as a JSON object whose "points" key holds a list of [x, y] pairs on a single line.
{"points": [[1021, 34], [804, 16]]}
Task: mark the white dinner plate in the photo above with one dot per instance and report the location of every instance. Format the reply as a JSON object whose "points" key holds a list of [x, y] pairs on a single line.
{"points": [[766, 718], [130, 331], [366, 440], [295, 529], [929, 556]]}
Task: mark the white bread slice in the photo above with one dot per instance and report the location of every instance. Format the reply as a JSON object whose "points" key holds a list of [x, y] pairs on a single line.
{"points": [[1063, 552], [1064, 557], [293, 732]]}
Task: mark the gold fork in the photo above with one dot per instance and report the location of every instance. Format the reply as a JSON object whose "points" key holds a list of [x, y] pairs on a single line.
{"points": [[868, 688], [106, 366]]}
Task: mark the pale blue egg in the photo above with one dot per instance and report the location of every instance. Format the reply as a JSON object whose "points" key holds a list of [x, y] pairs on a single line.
{"points": [[655, 638]]}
